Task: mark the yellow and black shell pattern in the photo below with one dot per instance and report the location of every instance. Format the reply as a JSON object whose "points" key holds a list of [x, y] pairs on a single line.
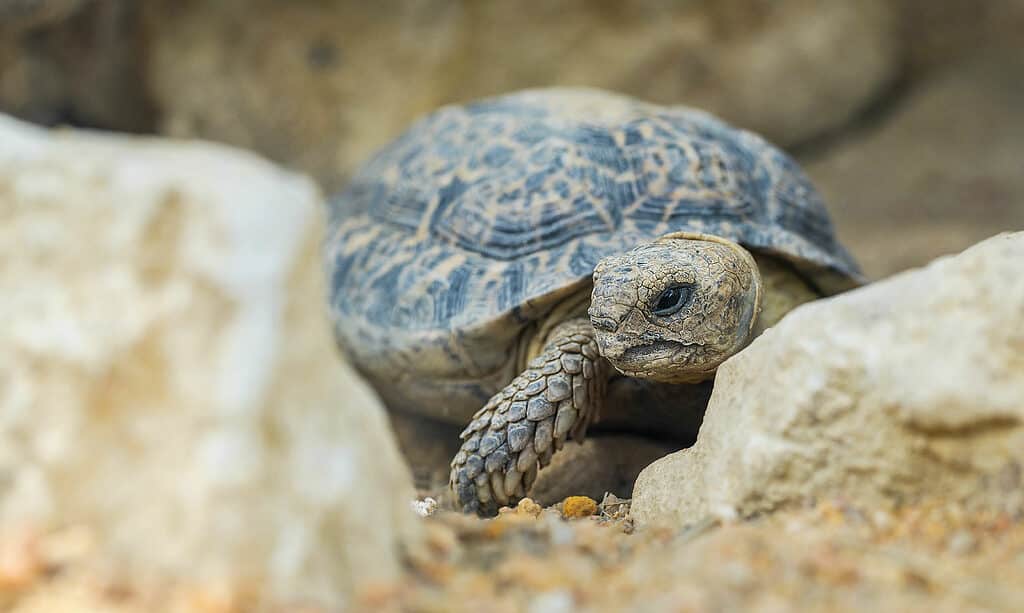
{"points": [[469, 227]]}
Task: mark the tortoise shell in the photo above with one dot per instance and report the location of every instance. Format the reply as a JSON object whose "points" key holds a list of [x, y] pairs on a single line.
{"points": [[472, 225]]}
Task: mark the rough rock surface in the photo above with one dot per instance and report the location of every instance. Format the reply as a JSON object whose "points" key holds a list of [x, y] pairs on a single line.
{"points": [[320, 85], [909, 389], [168, 378], [936, 173]]}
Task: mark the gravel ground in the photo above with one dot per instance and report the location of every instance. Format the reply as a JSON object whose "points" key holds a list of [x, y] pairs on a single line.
{"points": [[826, 557]]}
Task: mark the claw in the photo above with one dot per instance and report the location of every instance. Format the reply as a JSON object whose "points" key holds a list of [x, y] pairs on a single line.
{"points": [[543, 435], [498, 487], [530, 476], [527, 459], [513, 479]]}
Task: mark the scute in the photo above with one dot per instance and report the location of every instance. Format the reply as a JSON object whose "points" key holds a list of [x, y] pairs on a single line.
{"points": [[519, 209], [469, 226]]}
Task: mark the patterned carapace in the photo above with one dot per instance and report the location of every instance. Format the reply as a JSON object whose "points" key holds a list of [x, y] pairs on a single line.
{"points": [[472, 224]]}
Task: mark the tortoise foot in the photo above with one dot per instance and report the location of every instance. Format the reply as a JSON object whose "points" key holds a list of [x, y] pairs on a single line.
{"points": [[515, 434]]}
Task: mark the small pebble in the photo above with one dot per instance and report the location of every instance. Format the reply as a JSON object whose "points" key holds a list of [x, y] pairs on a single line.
{"points": [[425, 507], [527, 506], [575, 507], [20, 561], [614, 507], [558, 601], [525, 509], [962, 543], [882, 520]]}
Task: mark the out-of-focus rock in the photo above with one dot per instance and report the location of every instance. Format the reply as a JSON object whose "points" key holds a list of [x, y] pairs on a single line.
{"points": [[938, 172], [79, 63], [313, 85], [320, 85], [906, 390], [168, 378]]}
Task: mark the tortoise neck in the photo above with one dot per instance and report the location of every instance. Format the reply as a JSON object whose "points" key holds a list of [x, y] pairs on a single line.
{"points": [[784, 290], [567, 317]]}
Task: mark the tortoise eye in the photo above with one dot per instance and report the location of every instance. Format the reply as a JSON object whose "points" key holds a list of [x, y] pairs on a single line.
{"points": [[673, 299]]}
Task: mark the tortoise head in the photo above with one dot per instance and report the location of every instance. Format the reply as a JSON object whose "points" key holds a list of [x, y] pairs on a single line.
{"points": [[674, 309]]}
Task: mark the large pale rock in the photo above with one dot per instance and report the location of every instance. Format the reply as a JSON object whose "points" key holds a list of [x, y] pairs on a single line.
{"points": [[168, 380], [908, 389], [320, 85]]}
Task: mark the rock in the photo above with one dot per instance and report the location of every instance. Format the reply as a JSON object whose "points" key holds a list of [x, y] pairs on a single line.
{"points": [[424, 507], [576, 507], [321, 85], [906, 390], [936, 173], [168, 377], [528, 507], [314, 85]]}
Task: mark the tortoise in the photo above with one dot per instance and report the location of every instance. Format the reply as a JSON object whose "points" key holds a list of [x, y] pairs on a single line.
{"points": [[510, 262]]}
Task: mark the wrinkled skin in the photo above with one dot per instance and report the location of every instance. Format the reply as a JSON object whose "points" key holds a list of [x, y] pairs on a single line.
{"points": [[710, 293]]}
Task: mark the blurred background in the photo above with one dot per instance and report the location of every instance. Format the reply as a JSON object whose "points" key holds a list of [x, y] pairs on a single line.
{"points": [[908, 114]]}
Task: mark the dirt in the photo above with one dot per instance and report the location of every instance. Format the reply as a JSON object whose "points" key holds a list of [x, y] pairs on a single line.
{"points": [[825, 556], [829, 556]]}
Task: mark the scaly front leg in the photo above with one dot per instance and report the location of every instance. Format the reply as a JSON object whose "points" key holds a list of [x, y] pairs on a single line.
{"points": [[518, 430]]}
